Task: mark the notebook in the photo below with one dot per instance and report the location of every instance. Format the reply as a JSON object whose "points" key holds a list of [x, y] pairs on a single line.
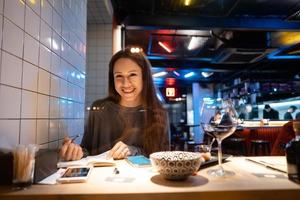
{"points": [[97, 161]]}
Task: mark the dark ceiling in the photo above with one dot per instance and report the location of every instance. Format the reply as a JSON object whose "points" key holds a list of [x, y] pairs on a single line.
{"points": [[252, 39]]}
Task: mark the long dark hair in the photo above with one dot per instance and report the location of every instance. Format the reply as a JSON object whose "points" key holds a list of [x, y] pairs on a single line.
{"points": [[155, 126]]}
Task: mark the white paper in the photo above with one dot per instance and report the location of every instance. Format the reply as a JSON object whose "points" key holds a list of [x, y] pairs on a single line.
{"points": [[51, 180]]}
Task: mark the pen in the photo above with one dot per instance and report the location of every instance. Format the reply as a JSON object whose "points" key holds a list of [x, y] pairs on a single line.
{"points": [[75, 137], [116, 171], [72, 139]]}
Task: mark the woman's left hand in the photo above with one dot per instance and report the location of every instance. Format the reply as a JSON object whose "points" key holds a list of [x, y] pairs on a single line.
{"points": [[119, 151]]}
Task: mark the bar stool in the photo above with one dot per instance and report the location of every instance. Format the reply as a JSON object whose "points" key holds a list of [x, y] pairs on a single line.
{"points": [[260, 148], [237, 146]]}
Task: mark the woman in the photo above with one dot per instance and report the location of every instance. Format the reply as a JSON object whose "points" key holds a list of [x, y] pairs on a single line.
{"points": [[131, 120]]}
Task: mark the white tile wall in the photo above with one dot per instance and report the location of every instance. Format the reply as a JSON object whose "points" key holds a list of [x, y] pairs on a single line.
{"points": [[15, 11], [99, 52], [12, 38], [29, 102], [31, 49], [28, 132], [30, 76], [39, 99], [11, 70], [9, 133]]}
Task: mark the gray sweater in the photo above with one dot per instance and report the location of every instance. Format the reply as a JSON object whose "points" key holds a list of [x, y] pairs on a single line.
{"points": [[109, 123]]}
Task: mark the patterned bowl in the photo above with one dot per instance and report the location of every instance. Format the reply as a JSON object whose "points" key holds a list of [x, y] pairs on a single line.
{"points": [[176, 165]]}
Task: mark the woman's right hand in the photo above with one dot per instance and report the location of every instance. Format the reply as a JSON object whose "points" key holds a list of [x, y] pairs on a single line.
{"points": [[70, 151]]}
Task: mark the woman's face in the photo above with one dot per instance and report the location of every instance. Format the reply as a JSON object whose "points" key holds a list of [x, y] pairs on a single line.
{"points": [[128, 82]]}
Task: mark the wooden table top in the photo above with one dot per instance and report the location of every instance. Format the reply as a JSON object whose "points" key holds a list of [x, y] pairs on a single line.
{"points": [[251, 181]]}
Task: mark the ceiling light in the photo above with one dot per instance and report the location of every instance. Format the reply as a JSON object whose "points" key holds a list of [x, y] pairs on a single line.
{"points": [[206, 74], [187, 2], [196, 42], [159, 74], [190, 74], [165, 47], [176, 73]]}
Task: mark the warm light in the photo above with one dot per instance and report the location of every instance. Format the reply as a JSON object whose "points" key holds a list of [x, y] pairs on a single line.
{"points": [[187, 2], [135, 50], [288, 38], [32, 2], [165, 47], [159, 74], [170, 92]]}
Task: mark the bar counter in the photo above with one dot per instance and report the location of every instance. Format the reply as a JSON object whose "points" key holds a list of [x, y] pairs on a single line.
{"points": [[144, 183]]}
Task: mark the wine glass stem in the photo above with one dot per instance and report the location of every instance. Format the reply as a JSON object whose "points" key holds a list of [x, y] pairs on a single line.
{"points": [[220, 155]]}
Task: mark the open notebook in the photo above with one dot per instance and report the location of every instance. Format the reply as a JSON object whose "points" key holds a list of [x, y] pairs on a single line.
{"points": [[97, 161], [272, 162]]}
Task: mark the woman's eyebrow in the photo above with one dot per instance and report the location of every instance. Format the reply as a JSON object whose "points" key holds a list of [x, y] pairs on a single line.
{"points": [[116, 72]]}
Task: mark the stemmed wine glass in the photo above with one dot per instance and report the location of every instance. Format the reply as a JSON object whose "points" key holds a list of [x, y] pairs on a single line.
{"points": [[219, 120]]}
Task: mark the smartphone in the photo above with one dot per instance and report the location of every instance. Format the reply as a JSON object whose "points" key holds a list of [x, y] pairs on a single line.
{"points": [[139, 161], [75, 175]]}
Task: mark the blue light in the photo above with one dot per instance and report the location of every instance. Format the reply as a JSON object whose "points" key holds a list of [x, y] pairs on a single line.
{"points": [[274, 55], [190, 74]]}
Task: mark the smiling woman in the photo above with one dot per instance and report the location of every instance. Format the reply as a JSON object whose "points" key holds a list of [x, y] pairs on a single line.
{"points": [[131, 120]]}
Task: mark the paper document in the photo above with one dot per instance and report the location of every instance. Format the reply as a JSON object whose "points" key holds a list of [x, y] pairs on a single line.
{"points": [[51, 180], [100, 160], [272, 162]]}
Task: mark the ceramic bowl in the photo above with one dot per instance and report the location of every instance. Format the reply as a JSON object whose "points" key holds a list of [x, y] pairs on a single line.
{"points": [[176, 165]]}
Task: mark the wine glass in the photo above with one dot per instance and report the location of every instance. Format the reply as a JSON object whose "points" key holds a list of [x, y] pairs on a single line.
{"points": [[219, 120]]}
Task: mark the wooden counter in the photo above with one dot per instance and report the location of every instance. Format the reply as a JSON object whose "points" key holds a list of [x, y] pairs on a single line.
{"points": [[147, 184]]}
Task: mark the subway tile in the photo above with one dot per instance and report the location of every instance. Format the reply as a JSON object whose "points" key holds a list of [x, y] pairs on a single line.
{"points": [[53, 129], [44, 82], [45, 58], [29, 104], [32, 23], [31, 49], [63, 129], [28, 132], [42, 131], [9, 136], [54, 86], [10, 102], [12, 38], [54, 107], [56, 43], [57, 5], [35, 6], [57, 22], [63, 107], [1, 27], [11, 70], [55, 64], [43, 106], [46, 12], [1, 6], [46, 35], [30, 77], [15, 11]]}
